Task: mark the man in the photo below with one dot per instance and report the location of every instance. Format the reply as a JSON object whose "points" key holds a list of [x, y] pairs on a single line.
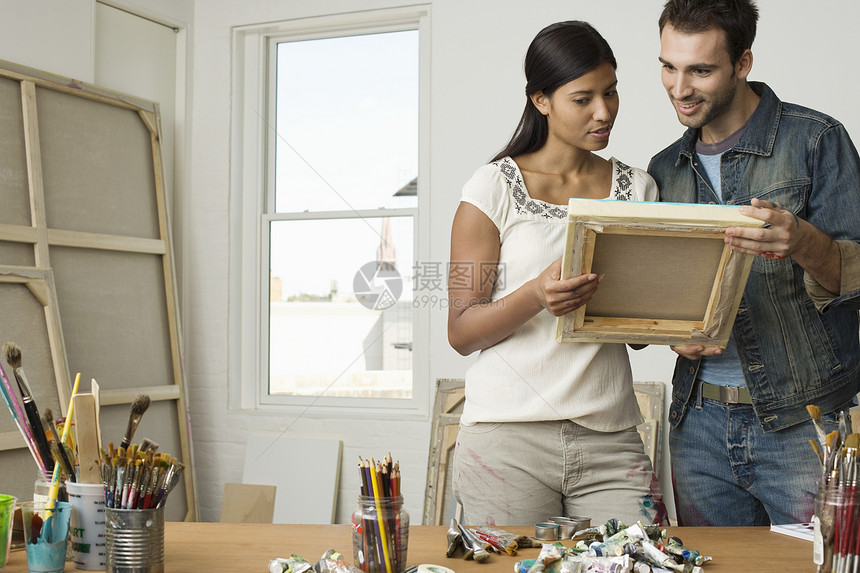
{"points": [[740, 428]]}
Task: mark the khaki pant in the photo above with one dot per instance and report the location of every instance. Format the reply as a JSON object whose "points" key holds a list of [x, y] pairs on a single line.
{"points": [[521, 473]]}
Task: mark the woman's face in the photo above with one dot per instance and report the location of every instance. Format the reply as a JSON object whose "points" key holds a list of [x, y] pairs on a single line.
{"points": [[581, 113]]}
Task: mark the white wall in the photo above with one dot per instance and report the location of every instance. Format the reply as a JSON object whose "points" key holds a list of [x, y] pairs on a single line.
{"points": [[806, 54]]}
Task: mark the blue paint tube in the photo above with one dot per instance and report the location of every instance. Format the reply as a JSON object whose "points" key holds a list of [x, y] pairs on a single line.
{"points": [[674, 546]]}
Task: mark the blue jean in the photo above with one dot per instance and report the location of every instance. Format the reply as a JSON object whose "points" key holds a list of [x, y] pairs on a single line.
{"points": [[727, 471]]}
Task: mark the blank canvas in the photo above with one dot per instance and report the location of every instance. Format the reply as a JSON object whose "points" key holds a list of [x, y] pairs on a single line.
{"points": [[306, 472]]}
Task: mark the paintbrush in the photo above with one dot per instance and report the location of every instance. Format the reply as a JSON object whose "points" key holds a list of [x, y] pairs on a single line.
{"points": [[18, 416], [455, 539], [55, 479], [65, 460], [148, 445], [476, 549], [61, 459], [852, 442], [170, 480], [14, 359], [138, 407], [815, 416]]}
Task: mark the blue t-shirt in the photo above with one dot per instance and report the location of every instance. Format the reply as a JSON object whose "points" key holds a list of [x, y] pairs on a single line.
{"points": [[725, 369]]}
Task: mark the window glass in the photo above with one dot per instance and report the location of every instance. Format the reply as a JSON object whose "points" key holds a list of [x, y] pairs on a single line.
{"points": [[347, 123], [340, 310]]}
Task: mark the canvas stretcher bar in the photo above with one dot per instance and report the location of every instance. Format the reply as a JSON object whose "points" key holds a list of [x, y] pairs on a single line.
{"points": [[669, 277], [84, 188]]}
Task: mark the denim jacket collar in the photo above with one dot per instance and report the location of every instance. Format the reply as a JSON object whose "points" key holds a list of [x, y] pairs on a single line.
{"points": [[760, 134]]}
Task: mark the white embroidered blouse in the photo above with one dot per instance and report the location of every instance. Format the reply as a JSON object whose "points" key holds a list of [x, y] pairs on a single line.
{"points": [[529, 376]]}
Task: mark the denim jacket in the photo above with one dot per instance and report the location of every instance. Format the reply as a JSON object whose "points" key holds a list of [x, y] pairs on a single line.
{"points": [[791, 353]]}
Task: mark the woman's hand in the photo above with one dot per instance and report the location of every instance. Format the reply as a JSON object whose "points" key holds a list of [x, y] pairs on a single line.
{"points": [[560, 297]]}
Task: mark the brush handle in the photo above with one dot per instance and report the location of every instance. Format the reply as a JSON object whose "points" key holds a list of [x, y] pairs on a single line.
{"points": [[35, 422], [133, 422], [20, 419], [22, 428]]}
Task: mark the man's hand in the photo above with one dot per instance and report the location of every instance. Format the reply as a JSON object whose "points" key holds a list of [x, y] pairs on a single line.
{"points": [[788, 236], [696, 351], [779, 239]]}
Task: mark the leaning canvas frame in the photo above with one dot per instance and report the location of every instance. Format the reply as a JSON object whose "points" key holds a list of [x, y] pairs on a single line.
{"points": [[40, 284], [669, 277], [85, 228]]}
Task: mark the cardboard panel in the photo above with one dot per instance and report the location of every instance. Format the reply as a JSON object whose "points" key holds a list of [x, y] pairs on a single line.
{"points": [[306, 472]]}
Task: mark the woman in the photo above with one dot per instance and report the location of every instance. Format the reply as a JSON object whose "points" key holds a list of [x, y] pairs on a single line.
{"points": [[548, 429]]}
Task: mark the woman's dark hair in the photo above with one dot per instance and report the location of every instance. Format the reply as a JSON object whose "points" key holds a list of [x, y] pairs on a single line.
{"points": [[559, 54], [737, 18]]}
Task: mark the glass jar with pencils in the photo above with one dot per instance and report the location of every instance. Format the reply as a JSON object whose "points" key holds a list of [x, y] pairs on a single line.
{"points": [[380, 534]]}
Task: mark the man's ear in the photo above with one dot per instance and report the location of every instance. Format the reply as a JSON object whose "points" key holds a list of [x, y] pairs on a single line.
{"points": [[744, 65], [540, 101]]}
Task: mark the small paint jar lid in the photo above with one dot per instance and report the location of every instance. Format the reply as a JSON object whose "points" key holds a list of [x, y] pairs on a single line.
{"points": [[546, 531]]}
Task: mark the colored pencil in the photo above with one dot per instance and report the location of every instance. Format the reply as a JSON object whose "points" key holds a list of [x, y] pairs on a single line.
{"points": [[381, 525]]}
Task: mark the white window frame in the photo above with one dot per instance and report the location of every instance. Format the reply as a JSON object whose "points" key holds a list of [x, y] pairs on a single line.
{"points": [[252, 151]]}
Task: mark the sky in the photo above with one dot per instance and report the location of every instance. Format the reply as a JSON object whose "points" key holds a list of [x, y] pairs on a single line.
{"points": [[347, 140]]}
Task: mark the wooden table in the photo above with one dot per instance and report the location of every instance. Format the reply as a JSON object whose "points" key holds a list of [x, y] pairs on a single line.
{"points": [[238, 548]]}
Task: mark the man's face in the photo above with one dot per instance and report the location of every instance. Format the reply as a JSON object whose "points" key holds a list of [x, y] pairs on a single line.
{"points": [[698, 75]]}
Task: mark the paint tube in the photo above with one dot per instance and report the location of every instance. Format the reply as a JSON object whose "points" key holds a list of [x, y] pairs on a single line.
{"points": [[586, 563], [508, 539], [674, 546], [497, 544], [608, 548], [549, 553], [619, 543], [608, 529], [333, 562], [291, 564], [650, 553], [655, 532], [525, 565]]}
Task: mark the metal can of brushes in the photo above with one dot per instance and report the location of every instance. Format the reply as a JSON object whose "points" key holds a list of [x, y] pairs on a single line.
{"points": [[134, 540]]}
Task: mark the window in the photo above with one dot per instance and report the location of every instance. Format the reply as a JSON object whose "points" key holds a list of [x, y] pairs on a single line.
{"points": [[329, 130]]}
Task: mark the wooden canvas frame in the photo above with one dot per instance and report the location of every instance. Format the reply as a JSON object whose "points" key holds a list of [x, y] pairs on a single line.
{"points": [[669, 276], [85, 228], [439, 502], [40, 284]]}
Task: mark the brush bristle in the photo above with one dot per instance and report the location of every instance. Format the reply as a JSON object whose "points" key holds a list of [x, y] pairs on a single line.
{"points": [[49, 415], [481, 556], [148, 445], [852, 441], [814, 412], [140, 404], [13, 354]]}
